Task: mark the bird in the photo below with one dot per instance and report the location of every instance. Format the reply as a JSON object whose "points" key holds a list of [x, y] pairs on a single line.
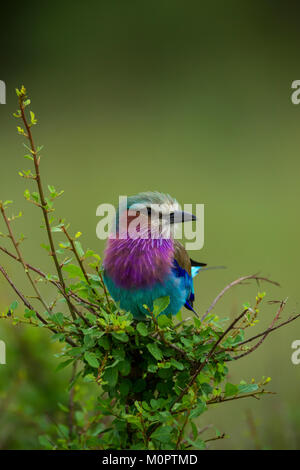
{"points": [[143, 261]]}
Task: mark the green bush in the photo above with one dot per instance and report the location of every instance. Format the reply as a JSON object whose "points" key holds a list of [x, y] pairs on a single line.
{"points": [[149, 381]]}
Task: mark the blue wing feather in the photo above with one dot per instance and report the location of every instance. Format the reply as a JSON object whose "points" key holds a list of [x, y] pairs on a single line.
{"points": [[187, 284]]}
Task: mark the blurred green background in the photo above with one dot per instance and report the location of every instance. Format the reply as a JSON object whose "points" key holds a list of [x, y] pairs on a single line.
{"points": [[190, 98]]}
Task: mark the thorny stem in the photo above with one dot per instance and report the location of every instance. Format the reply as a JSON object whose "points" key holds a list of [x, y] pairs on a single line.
{"points": [[44, 205]]}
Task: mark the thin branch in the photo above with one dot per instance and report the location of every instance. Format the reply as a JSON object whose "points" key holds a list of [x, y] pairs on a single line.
{"points": [[104, 287], [21, 296], [181, 322], [217, 438], [79, 260], [267, 332], [209, 355], [247, 395], [235, 283], [58, 286], [201, 366], [44, 205], [180, 435], [18, 251], [160, 333], [29, 306]]}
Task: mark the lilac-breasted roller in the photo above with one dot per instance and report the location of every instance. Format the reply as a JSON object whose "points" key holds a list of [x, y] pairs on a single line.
{"points": [[143, 261]]}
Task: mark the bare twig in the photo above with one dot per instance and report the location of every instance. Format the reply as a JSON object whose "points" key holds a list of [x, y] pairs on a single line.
{"points": [[269, 330], [247, 395], [181, 322], [264, 336], [217, 438], [235, 283]]}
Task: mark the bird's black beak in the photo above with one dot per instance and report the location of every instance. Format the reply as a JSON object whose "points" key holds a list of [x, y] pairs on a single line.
{"points": [[180, 216]]}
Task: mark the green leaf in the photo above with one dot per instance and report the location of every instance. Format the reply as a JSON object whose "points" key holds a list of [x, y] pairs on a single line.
{"points": [[159, 305], [79, 249], [142, 328], [194, 430], [45, 441], [230, 390], [64, 431], [111, 377], [247, 388], [104, 343], [155, 351], [64, 364], [29, 313], [89, 341], [14, 306], [124, 367], [63, 408], [198, 410], [152, 368], [58, 318], [27, 194], [177, 364], [164, 321], [74, 271], [198, 444], [35, 196], [91, 359], [123, 337], [163, 434]]}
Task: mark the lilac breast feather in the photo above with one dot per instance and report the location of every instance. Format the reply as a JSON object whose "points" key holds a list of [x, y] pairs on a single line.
{"points": [[138, 263]]}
